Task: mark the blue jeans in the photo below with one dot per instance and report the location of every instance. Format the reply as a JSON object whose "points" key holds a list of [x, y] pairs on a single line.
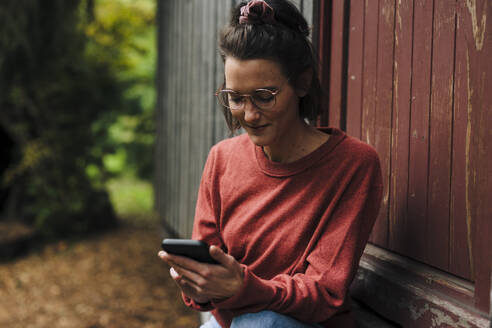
{"points": [[263, 319]]}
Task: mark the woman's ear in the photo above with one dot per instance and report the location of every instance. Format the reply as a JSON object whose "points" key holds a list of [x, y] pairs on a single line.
{"points": [[303, 83]]}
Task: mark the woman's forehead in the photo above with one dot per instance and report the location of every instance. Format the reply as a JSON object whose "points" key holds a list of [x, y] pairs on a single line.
{"points": [[251, 73]]}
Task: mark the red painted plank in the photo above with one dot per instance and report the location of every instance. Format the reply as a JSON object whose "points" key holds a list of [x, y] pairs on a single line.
{"points": [[475, 35], [441, 114], [399, 239], [369, 83], [460, 233], [336, 63], [383, 113], [324, 56], [419, 128], [354, 70]]}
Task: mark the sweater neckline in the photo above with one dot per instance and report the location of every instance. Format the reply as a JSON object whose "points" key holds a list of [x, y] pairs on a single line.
{"points": [[276, 169]]}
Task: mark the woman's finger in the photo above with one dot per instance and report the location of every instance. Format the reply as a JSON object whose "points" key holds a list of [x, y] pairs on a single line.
{"points": [[220, 256], [198, 280], [183, 262]]}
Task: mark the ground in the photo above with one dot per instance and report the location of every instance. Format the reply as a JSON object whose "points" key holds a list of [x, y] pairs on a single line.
{"points": [[109, 280]]}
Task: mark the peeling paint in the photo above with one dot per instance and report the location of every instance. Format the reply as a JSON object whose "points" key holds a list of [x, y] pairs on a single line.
{"points": [[451, 90], [387, 13], [422, 306], [442, 319], [478, 31], [416, 313], [398, 18], [438, 317]]}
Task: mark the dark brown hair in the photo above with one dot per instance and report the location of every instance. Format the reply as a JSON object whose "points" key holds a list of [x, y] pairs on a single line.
{"points": [[285, 41]]}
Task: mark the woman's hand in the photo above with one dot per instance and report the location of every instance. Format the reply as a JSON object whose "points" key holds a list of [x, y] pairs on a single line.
{"points": [[205, 282]]}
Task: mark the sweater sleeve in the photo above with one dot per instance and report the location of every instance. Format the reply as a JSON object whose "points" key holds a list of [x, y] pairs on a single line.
{"points": [[320, 291], [207, 212]]}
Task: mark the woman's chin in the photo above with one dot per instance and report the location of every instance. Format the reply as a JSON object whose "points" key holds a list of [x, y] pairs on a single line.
{"points": [[260, 141]]}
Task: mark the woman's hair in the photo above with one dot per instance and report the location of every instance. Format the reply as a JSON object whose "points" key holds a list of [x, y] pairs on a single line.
{"points": [[277, 31]]}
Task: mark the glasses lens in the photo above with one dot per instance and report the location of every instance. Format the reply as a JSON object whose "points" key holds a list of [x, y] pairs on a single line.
{"points": [[230, 99], [234, 100], [264, 99]]}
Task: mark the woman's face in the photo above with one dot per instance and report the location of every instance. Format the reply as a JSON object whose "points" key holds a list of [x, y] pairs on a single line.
{"points": [[267, 128]]}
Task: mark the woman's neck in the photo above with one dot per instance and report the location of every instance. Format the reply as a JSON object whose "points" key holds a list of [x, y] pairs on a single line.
{"points": [[301, 142]]}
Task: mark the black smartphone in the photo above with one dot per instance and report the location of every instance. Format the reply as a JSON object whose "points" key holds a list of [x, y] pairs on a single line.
{"points": [[195, 249]]}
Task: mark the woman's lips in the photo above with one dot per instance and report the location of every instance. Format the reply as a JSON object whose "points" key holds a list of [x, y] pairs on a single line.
{"points": [[257, 127]]}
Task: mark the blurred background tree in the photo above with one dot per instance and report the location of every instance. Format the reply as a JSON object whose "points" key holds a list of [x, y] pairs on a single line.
{"points": [[122, 35], [76, 112]]}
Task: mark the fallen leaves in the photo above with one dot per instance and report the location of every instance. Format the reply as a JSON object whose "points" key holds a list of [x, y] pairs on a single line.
{"points": [[110, 280]]}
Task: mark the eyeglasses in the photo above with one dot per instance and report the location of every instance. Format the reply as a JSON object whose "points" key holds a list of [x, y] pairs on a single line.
{"points": [[263, 99]]}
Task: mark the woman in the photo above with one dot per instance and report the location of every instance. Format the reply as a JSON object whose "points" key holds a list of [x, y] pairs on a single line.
{"points": [[287, 207]]}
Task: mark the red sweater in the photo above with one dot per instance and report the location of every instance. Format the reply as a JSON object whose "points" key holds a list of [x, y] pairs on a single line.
{"points": [[298, 229]]}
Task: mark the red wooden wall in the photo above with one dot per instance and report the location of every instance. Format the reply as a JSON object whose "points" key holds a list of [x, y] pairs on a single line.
{"points": [[413, 79]]}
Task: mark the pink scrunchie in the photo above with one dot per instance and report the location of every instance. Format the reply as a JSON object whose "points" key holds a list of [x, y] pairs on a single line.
{"points": [[256, 11]]}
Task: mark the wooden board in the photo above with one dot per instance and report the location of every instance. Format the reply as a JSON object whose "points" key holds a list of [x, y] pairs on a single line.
{"points": [[336, 64], [355, 69], [419, 128], [440, 135], [474, 34], [369, 82], [383, 111], [399, 221], [460, 228]]}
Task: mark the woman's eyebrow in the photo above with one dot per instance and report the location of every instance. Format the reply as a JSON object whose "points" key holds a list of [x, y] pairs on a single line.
{"points": [[271, 88]]}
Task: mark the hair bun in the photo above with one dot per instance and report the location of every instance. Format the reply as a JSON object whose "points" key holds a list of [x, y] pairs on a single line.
{"points": [[257, 12]]}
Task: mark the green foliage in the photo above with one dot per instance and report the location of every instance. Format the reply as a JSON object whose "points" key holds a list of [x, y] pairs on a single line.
{"points": [[130, 196], [122, 36], [52, 95], [77, 98]]}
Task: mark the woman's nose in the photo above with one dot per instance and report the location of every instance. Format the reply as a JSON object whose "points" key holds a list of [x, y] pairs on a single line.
{"points": [[251, 112]]}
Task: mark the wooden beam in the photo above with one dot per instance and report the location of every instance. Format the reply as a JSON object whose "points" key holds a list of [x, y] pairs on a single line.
{"points": [[414, 295]]}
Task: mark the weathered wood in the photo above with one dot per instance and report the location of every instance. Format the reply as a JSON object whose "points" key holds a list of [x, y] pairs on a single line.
{"points": [[366, 318], [220, 129], [460, 228], [324, 52], [399, 221], [425, 69], [419, 127], [474, 33], [369, 83], [440, 127], [336, 64], [384, 99], [185, 111], [355, 69], [160, 156], [411, 293], [196, 104]]}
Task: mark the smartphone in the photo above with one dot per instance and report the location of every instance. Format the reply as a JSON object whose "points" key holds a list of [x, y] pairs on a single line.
{"points": [[195, 249]]}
